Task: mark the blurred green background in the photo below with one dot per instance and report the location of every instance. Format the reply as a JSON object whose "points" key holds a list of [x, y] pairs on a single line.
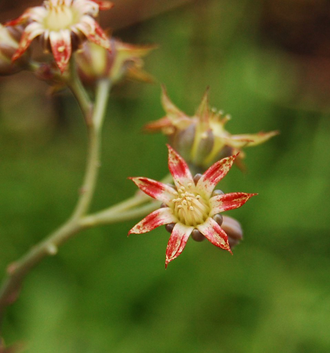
{"points": [[267, 64]]}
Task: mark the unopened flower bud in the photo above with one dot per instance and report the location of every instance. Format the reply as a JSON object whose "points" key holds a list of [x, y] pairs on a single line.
{"points": [[9, 41], [169, 227], [50, 73], [218, 218], [124, 60], [233, 229], [197, 235]]}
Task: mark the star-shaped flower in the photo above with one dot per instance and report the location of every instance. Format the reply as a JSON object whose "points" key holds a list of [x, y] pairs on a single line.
{"points": [[202, 138], [62, 25], [191, 205]]}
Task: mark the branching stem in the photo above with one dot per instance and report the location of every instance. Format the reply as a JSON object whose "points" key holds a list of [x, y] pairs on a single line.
{"points": [[80, 220]]}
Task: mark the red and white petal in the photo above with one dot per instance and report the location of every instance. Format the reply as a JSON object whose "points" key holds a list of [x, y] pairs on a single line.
{"points": [[155, 189], [30, 32], [21, 19], [178, 168], [214, 174], [226, 202], [177, 242], [215, 234], [60, 43], [104, 5], [95, 33], [153, 220]]}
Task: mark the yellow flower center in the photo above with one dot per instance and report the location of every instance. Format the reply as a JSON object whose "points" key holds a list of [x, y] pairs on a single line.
{"points": [[189, 207], [60, 17]]}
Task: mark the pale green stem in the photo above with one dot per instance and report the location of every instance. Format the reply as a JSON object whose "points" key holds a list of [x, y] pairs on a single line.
{"points": [[113, 216], [138, 199], [18, 270], [74, 83], [93, 158]]}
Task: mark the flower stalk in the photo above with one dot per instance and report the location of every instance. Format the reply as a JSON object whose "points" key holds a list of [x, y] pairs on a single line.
{"points": [[94, 140], [129, 209]]}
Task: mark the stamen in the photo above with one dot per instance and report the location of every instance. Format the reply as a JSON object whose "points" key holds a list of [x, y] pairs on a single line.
{"points": [[190, 208]]}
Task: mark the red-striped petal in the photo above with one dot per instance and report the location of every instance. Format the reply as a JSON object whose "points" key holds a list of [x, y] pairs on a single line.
{"points": [[177, 242], [21, 19], [98, 36], [226, 202], [153, 220], [61, 48], [155, 189], [104, 5], [26, 39], [178, 168], [215, 173], [213, 232]]}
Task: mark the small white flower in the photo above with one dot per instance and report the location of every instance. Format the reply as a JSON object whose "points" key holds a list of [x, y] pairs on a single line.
{"points": [[62, 25]]}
